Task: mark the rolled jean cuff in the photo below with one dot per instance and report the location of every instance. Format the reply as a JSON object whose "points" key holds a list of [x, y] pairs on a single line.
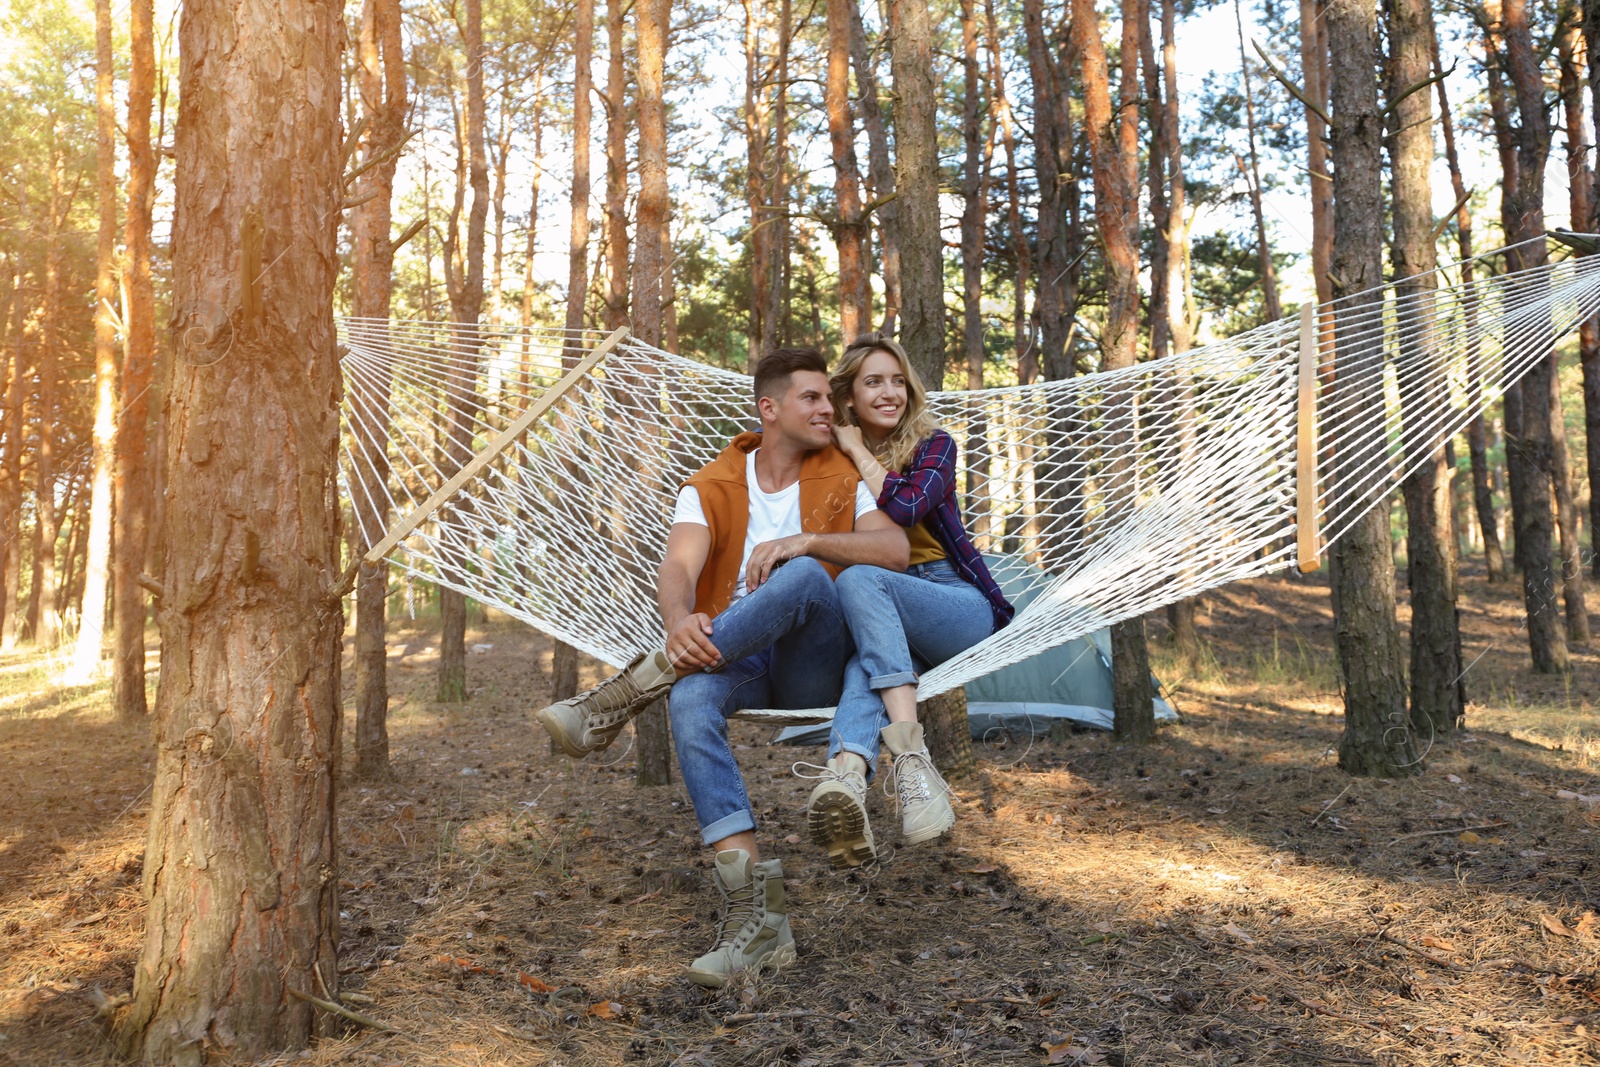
{"points": [[727, 826], [889, 681]]}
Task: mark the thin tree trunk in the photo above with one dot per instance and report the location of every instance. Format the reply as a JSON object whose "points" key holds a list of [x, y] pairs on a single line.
{"points": [[131, 537], [756, 131], [1580, 183], [466, 305], [382, 79], [43, 610], [850, 229], [921, 326], [564, 660], [775, 320], [1366, 632], [241, 866], [16, 427], [97, 557], [974, 193], [1523, 207], [1052, 143], [1437, 699], [651, 29], [1591, 356], [1477, 448], [1269, 273], [1114, 153], [1314, 68], [616, 168], [1027, 356], [880, 171]]}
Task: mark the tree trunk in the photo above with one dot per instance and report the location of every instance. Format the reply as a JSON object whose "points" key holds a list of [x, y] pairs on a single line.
{"points": [[564, 663], [1052, 145], [974, 194], [97, 552], [1115, 164], [16, 428], [241, 867], [1523, 208], [616, 168], [880, 171], [382, 78], [466, 306], [651, 28], [756, 131], [948, 733], [850, 228], [1376, 739], [1477, 448], [1314, 68], [1027, 356], [1591, 356], [1437, 701], [921, 327], [775, 319], [1269, 272], [131, 536], [1580, 183], [43, 610]]}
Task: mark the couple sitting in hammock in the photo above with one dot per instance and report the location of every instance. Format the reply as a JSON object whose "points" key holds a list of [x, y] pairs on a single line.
{"points": [[821, 561]]}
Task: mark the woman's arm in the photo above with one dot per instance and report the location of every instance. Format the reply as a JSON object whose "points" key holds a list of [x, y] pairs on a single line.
{"points": [[852, 444], [911, 497]]}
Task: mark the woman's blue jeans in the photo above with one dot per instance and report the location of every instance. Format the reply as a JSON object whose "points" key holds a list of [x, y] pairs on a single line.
{"points": [[902, 624], [783, 646]]}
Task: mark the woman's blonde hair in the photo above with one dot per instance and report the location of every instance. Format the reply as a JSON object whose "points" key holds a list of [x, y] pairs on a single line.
{"points": [[916, 422]]}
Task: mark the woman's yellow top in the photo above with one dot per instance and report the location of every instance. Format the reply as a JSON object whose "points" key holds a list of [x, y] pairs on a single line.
{"points": [[925, 548]]}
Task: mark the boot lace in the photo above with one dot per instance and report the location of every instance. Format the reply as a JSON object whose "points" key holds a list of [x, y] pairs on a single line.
{"points": [[738, 909], [853, 779], [913, 779]]}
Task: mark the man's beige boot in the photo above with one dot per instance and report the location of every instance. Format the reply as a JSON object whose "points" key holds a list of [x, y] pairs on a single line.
{"points": [[836, 814], [593, 719], [753, 930], [923, 796]]}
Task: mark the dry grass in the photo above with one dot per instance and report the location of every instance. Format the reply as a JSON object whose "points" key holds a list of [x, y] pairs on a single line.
{"points": [[1225, 896]]}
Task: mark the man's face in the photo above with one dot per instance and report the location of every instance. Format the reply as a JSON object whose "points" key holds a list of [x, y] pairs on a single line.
{"points": [[803, 414]]}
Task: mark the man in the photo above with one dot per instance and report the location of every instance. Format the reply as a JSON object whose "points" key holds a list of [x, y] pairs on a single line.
{"points": [[752, 620]]}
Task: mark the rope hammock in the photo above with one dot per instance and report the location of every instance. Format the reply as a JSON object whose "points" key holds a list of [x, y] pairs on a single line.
{"points": [[535, 470]]}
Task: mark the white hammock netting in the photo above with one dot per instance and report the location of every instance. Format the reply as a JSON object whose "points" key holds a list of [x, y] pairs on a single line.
{"points": [[1112, 493]]}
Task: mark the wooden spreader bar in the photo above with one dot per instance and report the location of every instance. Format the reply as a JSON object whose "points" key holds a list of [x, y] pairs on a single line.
{"points": [[1305, 525]]}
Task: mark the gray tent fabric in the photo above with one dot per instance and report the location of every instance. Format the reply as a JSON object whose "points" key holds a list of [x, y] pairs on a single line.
{"points": [[1071, 682]]}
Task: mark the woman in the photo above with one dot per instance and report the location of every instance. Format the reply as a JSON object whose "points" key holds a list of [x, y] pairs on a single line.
{"points": [[944, 603]]}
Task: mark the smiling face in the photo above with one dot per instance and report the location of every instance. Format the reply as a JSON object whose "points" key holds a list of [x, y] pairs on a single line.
{"points": [[879, 393], [803, 414]]}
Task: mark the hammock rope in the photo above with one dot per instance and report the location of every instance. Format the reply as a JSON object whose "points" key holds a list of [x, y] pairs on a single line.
{"points": [[1106, 495]]}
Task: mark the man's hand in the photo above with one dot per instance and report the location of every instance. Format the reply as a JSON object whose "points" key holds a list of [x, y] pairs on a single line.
{"points": [[689, 646], [769, 554]]}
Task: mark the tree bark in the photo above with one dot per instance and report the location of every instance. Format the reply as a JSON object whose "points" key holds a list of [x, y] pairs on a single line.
{"points": [[974, 195], [1052, 148], [880, 171], [16, 428], [1580, 183], [564, 658], [1522, 204], [948, 732], [616, 167], [775, 319], [381, 71], [1376, 740], [651, 28], [131, 536], [466, 306], [241, 865], [1437, 699], [1314, 70], [1477, 446], [850, 228], [1115, 164], [921, 325], [1591, 357], [97, 551], [757, 129], [1269, 272], [43, 609], [1026, 355]]}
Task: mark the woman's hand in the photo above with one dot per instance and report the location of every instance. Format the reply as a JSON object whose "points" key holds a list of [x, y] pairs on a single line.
{"points": [[850, 441], [768, 555]]}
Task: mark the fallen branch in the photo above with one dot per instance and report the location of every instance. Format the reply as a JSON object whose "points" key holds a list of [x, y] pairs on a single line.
{"points": [[1311, 1005], [767, 1016], [1450, 830], [1396, 939], [341, 1010]]}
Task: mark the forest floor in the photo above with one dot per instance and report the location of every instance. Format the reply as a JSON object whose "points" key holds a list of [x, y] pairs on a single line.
{"points": [[1224, 896]]}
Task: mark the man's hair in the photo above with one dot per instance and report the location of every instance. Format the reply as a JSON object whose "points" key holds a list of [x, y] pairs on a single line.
{"points": [[773, 372]]}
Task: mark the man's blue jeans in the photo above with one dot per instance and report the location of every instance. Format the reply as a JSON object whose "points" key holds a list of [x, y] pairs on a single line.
{"points": [[783, 646], [902, 624]]}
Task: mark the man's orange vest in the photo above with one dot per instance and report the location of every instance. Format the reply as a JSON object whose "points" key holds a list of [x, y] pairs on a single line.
{"points": [[827, 505]]}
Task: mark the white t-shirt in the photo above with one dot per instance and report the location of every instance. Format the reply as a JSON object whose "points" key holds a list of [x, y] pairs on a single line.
{"points": [[772, 515]]}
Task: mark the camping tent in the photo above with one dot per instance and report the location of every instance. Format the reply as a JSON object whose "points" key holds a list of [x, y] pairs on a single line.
{"points": [[1071, 682]]}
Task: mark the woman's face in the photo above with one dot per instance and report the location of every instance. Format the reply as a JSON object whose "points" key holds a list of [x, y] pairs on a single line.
{"points": [[879, 393]]}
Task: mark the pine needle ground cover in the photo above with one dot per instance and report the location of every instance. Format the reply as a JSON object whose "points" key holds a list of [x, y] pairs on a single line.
{"points": [[1226, 896]]}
